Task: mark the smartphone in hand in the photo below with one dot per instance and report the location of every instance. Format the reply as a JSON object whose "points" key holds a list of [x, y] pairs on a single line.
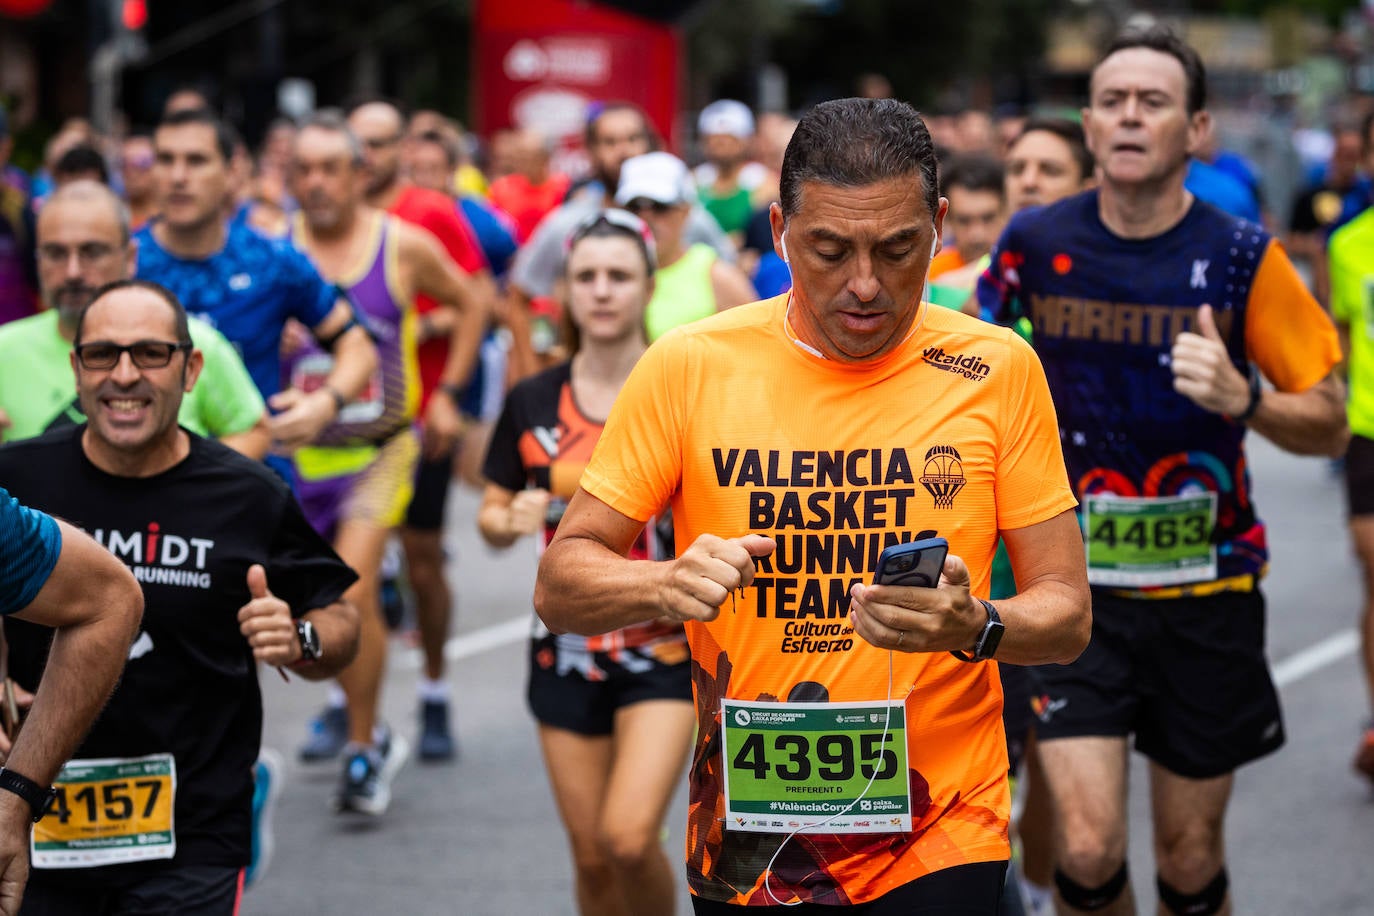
{"points": [[915, 564]]}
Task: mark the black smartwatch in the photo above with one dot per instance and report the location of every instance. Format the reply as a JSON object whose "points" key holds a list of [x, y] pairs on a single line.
{"points": [[37, 796], [309, 640], [454, 391], [1256, 392], [988, 641]]}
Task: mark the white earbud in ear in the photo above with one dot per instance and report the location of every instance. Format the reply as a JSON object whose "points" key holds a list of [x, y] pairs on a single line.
{"points": [[933, 242], [783, 240]]}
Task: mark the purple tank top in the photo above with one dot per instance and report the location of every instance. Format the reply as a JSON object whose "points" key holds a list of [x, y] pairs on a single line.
{"points": [[391, 398]]}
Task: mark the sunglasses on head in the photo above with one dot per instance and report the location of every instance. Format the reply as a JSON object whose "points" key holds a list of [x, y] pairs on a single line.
{"points": [[645, 205], [621, 219]]}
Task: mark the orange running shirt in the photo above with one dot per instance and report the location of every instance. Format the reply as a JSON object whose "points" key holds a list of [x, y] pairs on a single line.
{"points": [[743, 431], [947, 260]]}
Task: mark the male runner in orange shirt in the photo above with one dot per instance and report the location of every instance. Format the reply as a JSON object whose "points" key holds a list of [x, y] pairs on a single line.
{"points": [[794, 439]]}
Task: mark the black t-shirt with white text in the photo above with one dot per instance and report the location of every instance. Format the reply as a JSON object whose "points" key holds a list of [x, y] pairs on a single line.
{"points": [[190, 686]]}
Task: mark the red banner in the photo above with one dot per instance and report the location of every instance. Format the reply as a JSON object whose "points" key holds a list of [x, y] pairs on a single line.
{"points": [[540, 63]]}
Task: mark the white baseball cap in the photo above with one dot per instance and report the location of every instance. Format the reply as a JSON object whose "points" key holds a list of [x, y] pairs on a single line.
{"points": [[660, 177], [726, 116]]}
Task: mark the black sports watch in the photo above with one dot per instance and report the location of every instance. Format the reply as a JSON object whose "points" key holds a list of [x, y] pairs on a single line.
{"points": [[37, 796], [988, 641], [309, 640]]}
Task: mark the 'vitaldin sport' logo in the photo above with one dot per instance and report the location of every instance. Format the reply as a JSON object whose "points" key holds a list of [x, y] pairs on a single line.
{"points": [[970, 367]]}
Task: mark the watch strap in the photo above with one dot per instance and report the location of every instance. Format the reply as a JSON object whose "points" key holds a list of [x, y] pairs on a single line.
{"points": [[310, 648], [1256, 392], [37, 796], [980, 647]]}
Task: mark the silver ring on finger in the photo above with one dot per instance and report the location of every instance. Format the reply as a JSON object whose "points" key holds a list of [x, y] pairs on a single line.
{"points": [[900, 635]]}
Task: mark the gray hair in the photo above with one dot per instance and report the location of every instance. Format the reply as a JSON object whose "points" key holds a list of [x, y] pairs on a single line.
{"points": [[87, 191], [333, 121]]}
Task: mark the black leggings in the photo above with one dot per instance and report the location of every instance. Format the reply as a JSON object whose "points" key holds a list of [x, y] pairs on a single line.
{"points": [[964, 890]]}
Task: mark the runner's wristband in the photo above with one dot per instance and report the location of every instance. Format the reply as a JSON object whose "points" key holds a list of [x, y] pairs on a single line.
{"points": [[339, 400], [1255, 391], [37, 796]]}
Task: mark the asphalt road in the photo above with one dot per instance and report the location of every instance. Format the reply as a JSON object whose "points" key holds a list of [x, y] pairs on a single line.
{"points": [[481, 836]]}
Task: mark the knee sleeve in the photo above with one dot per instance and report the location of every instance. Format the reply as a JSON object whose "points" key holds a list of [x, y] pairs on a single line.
{"points": [[1089, 899], [1205, 902]]}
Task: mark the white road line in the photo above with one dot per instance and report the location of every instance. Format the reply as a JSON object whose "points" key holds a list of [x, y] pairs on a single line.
{"points": [[474, 643], [1289, 671], [1316, 657]]}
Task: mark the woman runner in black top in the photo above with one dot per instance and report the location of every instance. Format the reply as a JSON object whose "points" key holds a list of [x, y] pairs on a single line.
{"points": [[614, 711]]}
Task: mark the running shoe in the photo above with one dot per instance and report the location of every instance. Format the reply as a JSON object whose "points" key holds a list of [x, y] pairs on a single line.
{"points": [[1364, 757], [365, 787], [328, 735], [393, 604], [436, 741], [267, 783]]}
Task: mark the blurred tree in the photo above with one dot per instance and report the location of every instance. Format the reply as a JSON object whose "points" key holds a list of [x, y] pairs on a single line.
{"points": [[1330, 10], [972, 52]]}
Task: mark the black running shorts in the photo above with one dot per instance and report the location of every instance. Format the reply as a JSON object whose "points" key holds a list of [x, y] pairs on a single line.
{"points": [[1359, 476], [135, 890], [577, 690], [432, 479], [1020, 687], [961, 890], [1188, 677]]}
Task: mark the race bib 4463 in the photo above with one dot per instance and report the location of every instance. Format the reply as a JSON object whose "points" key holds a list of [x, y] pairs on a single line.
{"points": [[1143, 543]]}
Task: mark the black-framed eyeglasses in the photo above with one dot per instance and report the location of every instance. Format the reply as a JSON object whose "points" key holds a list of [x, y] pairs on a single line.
{"points": [[146, 354]]}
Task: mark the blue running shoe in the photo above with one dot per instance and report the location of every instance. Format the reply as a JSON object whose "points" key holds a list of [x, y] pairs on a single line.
{"points": [[365, 787], [436, 741], [328, 735], [267, 782]]}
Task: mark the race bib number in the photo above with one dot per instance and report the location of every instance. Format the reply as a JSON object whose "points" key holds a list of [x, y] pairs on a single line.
{"points": [[109, 811], [1143, 543], [790, 766], [312, 371]]}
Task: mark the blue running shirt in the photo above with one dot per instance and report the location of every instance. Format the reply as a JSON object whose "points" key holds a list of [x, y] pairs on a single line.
{"points": [[1105, 312], [30, 543], [247, 290]]}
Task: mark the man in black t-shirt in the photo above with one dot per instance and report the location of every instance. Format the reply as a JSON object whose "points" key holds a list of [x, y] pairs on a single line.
{"points": [[155, 808]]}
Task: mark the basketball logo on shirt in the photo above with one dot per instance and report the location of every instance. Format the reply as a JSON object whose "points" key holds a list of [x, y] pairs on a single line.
{"points": [[943, 476]]}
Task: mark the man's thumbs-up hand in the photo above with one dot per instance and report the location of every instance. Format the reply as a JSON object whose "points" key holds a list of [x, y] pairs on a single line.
{"points": [[1203, 371], [266, 622]]}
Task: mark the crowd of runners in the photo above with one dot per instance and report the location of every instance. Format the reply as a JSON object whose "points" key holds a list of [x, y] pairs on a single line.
{"points": [[714, 388]]}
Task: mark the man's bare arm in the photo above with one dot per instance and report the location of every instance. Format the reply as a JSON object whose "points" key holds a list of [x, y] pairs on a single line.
{"points": [[355, 356], [437, 276], [95, 605], [337, 626], [1311, 422], [303, 416], [586, 585], [1048, 621]]}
